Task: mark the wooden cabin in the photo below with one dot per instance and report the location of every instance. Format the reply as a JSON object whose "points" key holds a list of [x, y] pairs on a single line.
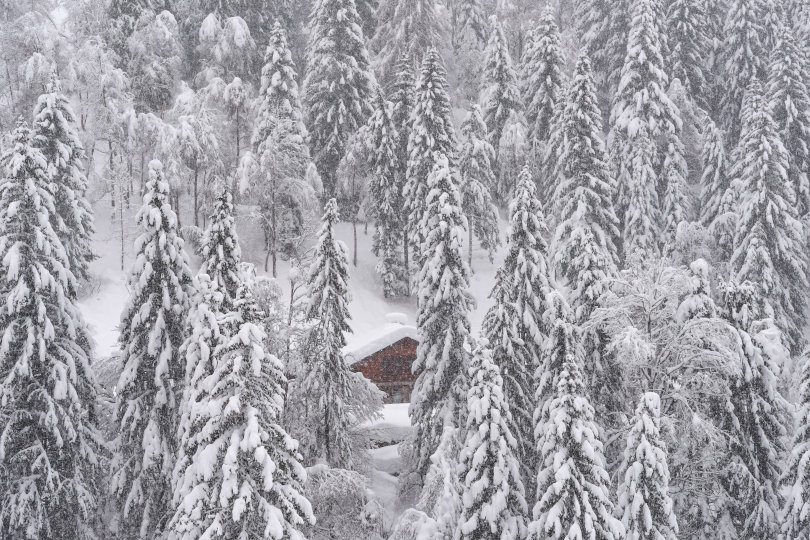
{"points": [[386, 357]]}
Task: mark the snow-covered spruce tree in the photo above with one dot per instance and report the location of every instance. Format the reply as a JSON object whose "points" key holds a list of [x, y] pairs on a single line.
{"points": [[642, 112], [386, 193], [644, 504], [768, 240], [431, 133], [526, 266], [326, 381], [221, 254], [441, 494], [245, 478], [338, 84], [744, 58], [790, 103], [714, 181], [756, 417], [541, 81], [795, 479], [402, 97], [500, 96], [689, 45], [512, 355], [677, 204], [50, 454], [469, 25], [604, 28], [587, 235], [573, 498], [493, 501], [477, 182], [56, 137], [152, 331], [443, 307], [641, 213]]}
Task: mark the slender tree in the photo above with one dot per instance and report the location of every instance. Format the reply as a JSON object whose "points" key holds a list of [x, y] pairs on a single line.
{"points": [[689, 45], [220, 249], [714, 180], [500, 96], [795, 479], [152, 331], [403, 94], [50, 453]]}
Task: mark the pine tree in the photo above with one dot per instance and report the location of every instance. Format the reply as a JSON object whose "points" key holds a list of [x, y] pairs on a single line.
{"points": [[152, 331], [604, 27], [541, 82], [572, 483], [386, 192], [246, 478], [790, 102], [714, 180], [744, 58], [768, 240], [677, 205], [443, 307], [468, 24], [492, 497], [500, 97], [689, 45], [221, 253], [644, 505], [431, 133], [795, 480], [403, 91], [526, 266], [50, 456], [641, 215], [587, 236], [338, 84], [755, 417], [477, 182], [56, 137]]}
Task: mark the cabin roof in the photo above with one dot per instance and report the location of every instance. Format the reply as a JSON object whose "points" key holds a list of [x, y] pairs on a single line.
{"points": [[363, 345]]}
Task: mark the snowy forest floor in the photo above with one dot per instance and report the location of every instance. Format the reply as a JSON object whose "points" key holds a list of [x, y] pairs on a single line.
{"points": [[103, 302]]}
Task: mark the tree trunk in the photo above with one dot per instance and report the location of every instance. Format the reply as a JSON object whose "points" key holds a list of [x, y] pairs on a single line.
{"points": [[405, 251], [354, 229], [123, 239], [469, 248], [273, 246], [196, 199]]}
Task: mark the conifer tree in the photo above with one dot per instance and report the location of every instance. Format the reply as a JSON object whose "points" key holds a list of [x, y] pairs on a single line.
{"points": [[326, 377], [689, 46], [790, 102], [755, 418], [644, 505], [152, 331], [677, 206], [526, 266], [541, 82], [443, 307], [468, 24], [246, 478], [500, 97], [572, 483], [641, 215], [795, 479], [56, 137], [50, 455], [402, 96], [477, 182], [386, 192], [744, 58], [562, 341], [604, 28], [221, 253], [768, 240], [493, 502], [587, 236], [715, 180], [338, 84], [431, 133]]}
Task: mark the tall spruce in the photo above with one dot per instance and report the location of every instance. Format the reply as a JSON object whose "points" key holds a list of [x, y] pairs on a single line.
{"points": [[493, 502], [790, 103], [573, 499], [50, 454], [541, 82], [339, 85], [402, 94], [431, 134], [642, 214], [644, 505], [443, 307], [386, 192], [152, 331], [689, 46], [768, 245], [245, 478], [715, 180], [795, 480], [604, 28], [476, 164], [221, 254], [56, 137], [500, 97], [676, 206]]}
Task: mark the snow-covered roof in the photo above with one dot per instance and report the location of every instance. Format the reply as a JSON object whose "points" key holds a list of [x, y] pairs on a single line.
{"points": [[361, 346]]}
